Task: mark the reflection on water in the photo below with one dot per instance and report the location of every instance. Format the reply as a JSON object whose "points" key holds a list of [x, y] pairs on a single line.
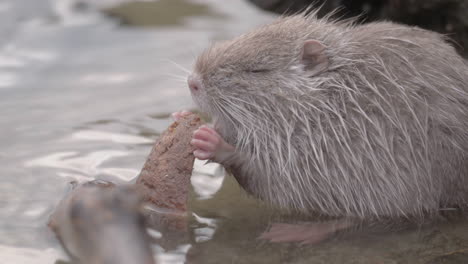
{"points": [[113, 137], [207, 179], [177, 255], [83, 98], [29, 256], [85, 167]]}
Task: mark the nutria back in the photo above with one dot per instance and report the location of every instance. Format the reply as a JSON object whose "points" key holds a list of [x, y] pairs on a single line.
{"points": [[342, 119]]}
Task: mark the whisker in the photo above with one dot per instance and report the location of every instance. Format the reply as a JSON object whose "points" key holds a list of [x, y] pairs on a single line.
{"points": [[176, 77], [179, 66]]}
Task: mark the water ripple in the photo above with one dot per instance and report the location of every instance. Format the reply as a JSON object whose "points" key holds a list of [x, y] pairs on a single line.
{"points": [[108, 136], [85, 165]]}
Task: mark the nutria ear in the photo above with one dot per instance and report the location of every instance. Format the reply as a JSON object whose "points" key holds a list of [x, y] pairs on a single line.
{"points": [[313, 57]]}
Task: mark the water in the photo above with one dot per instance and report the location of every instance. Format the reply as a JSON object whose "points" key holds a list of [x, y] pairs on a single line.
{"points": [[83, 96]]}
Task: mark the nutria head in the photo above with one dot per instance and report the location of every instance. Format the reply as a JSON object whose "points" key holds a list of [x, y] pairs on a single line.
{"points": [[239, 81]]}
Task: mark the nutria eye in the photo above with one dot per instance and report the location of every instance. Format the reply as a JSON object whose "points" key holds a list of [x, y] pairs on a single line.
{"points": [[258, 70]]}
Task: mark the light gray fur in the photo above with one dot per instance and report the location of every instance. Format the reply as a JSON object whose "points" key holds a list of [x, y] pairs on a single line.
{"points": [[382, 133]]}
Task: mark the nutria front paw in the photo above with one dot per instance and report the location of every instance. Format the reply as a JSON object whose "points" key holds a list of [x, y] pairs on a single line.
{"points": [[210, 145]]}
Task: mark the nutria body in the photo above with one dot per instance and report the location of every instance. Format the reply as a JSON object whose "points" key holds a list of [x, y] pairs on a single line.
{"points": [[365, 121]]}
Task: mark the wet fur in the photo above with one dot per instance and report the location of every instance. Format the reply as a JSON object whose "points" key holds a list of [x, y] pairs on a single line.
{"points": [[382, 133]]}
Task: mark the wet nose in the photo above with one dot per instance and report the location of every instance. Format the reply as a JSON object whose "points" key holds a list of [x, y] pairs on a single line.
{"points": [[193, 83]]}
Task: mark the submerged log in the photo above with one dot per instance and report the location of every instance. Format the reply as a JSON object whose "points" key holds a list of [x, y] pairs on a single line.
{"points": [[100, 223]]}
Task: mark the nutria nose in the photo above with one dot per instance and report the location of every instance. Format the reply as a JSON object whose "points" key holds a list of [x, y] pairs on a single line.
{"points": [[194, 83]]}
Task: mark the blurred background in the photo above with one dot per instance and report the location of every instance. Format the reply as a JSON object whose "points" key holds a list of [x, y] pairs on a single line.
{"points": [[86, 86]]}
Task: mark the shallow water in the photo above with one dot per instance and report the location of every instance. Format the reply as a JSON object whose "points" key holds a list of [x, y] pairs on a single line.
{"points": [[83, 96]]}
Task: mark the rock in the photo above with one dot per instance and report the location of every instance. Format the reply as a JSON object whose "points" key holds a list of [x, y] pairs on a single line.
{"points": [[157, 13]]}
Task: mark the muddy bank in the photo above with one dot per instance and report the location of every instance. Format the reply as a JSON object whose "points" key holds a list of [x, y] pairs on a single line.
{"points": [[159, 13]]}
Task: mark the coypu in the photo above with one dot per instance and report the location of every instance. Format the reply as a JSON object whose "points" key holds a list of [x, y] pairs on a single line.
{"points": [[314, 115]]}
